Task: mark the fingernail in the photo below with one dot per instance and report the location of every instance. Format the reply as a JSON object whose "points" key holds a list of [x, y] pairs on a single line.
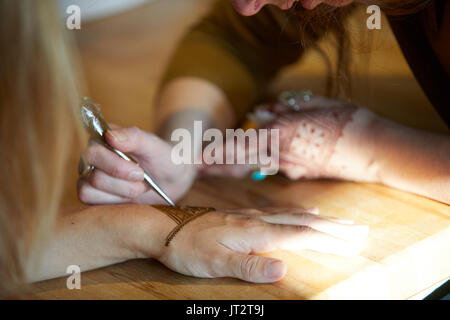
{"points": [[136, 175], [117, 135], [274, 269]]}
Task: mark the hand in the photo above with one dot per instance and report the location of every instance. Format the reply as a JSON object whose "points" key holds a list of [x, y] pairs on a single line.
{"points": [[325, 139], [223, 243], [311, 138], [115, 180]]}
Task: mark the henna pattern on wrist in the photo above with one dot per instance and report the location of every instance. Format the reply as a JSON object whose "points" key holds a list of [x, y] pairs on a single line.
{"points": [[182, 215], [308, 139]]}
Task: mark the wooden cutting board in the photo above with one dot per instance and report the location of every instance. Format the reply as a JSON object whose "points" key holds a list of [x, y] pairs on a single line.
{"points": [[408, 249]]}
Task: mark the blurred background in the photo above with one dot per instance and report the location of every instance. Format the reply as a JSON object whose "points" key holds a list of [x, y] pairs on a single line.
{"points": [[98, 9], [126, 45]]}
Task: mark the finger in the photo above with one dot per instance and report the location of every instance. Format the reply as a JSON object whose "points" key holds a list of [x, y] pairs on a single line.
{"points": [[297, 238], [274, 108], [119, 187], [263, 114], [318, 102], [258, 212], [263, 107], [89, 195], [275, 210], [114, 126], [244, 212], [281, 108], [133, 140], [332, 227], [107, 161], [253, 268]]}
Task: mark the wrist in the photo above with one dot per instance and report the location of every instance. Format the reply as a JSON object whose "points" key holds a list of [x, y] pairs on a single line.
{"points": [[150, 230], [354, 157]]}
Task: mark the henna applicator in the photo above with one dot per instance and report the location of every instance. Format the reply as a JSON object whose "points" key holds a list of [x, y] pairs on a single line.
{"points": [[97, 127]]}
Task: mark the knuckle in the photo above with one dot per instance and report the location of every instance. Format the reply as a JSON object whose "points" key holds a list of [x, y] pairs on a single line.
{"points": [[92, 153], [134, 131], [304, 229], [117, 170], [134, 191], [89, 153], [251, 223], [97, 180], [248, 266]]}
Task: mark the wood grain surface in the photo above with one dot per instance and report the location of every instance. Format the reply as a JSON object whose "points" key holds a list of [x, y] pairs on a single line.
{"points": [[408, 249]]}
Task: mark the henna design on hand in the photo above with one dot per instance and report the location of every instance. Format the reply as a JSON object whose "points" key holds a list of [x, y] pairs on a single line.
{"points": [[308, 139], [182, 216]]}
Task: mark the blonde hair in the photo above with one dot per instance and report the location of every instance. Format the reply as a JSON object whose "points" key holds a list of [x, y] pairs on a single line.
{"points": [[39, 94]]}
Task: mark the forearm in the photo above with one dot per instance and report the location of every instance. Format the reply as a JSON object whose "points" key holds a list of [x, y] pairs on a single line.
{"points": [[185, 99], [413, 160], [98, 236], [374, 149]]}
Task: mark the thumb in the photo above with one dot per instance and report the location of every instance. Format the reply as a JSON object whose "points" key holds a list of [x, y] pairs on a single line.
{"points": [[256, 269]]}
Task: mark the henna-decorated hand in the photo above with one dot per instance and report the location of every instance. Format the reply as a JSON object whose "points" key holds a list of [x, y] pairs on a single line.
{"points": [[224, 243], [309, 138], [325, 139]]}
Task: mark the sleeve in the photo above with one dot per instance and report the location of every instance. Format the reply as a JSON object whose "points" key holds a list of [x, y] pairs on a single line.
{"points": [[241, 55]]}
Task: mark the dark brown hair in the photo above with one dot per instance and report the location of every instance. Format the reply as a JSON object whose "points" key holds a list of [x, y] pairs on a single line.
{"points": [[325, 19]]}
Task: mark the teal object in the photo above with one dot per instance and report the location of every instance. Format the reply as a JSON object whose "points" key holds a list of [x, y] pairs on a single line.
{"points": [[258, 176]]}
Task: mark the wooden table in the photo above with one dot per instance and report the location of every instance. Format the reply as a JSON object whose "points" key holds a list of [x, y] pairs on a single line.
{"points": [[408, 249]]}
